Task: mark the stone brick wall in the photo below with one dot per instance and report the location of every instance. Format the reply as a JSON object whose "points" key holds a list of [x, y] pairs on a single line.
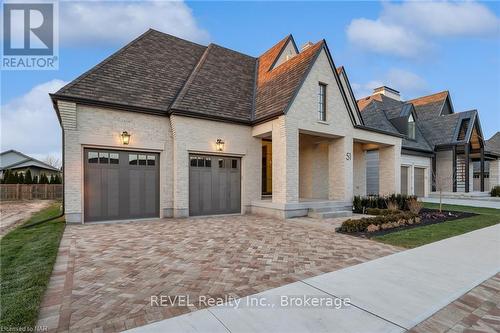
{"points": [[494, 174], [390, 169], [359, 170], [313, 168], [444, 170], [199, 136], [86, 126]]}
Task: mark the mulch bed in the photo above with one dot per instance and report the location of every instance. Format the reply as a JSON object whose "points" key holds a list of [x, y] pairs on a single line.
{"points": [[427, 217]]}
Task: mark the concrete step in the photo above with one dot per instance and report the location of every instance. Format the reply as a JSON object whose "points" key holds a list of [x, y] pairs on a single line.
{"points": [[329, 214], [330, 209]]}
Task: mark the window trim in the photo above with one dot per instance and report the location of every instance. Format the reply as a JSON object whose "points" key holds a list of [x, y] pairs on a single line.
{"points": [[322, 101]]}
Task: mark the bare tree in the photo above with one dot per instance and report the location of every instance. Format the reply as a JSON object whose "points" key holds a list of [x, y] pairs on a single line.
{"points": [[52, 161], [440, 183]]}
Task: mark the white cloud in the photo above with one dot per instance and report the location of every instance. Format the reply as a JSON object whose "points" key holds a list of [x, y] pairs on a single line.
{"points": [[381, 37], [408, 83], [444, 18], [29, 123], [118, 22], [407, 29]]}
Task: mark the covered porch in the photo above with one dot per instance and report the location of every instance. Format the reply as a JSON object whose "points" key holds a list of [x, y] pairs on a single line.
{"points": [[305, 172]]}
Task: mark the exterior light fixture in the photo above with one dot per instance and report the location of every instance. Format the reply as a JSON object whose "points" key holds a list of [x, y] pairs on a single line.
{"points": [[125, 137], [219, 145]]}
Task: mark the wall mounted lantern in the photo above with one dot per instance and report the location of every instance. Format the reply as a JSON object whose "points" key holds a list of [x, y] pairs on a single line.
{"points": [[125, 137], [219, 145]]}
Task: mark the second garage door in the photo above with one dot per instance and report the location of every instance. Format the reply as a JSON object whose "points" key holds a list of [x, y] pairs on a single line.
{"points": [[214, 185], [419, 184]]}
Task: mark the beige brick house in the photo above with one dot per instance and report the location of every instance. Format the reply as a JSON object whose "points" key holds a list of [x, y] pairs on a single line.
{"points": [[166, 127]]}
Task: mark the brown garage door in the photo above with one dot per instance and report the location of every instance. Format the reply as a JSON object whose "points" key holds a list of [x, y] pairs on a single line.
{"points": [[419, 184], [120, 185], [214, 185]]}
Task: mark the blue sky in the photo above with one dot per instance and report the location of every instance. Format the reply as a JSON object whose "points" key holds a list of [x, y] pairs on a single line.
{"points": [[415, 47]]}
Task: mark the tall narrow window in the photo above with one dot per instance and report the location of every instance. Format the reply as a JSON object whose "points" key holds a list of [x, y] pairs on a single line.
{"points": [[411, 127], [322, 102]]}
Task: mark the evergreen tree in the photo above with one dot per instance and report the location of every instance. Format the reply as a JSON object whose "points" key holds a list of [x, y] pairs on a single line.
{"points": [[35, 180], [13, 178], [43, 179], [27, 178], [20, 178], [6, 176], [57, 179]]}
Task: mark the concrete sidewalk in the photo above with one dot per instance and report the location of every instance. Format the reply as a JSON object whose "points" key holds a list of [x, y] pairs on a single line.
{"points": [[466, 202], [390, 294]]}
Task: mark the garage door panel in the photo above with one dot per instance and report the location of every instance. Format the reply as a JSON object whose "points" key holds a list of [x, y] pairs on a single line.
{"points": [[214, 188], [113, 192], [150, 184], [419, 182], [120, 185]]}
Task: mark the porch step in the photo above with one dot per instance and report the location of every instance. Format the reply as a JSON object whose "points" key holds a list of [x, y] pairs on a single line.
{"points": [[329, 214]]}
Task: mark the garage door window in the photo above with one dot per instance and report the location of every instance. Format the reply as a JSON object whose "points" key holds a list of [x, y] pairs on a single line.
{"points": [[103, 158], [234, 164], [113, 158], [93, 157], [151, 160]]}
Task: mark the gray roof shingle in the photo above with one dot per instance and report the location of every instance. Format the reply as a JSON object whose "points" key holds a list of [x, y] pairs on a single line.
{"points": [[146, 73], [493, 144], [221, 85]]}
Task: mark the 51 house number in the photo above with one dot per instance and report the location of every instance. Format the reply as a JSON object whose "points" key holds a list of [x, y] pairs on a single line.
{"points": [[348, 156]]}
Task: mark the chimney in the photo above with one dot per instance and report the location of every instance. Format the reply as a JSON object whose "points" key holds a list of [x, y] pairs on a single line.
{"points": [[388, 92], [306, 46]]}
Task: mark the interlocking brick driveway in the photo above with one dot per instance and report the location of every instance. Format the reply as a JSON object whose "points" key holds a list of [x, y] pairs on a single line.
{"points": [[105, 274]]}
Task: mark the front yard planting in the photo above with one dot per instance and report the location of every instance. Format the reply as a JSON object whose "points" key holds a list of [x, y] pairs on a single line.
{"points": [[422, 235], [27, 258]]}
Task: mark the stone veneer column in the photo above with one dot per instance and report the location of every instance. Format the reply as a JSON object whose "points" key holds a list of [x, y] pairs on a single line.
{"points": [[340, 169], [73, 171], [359, 169], [494, 179], [285, 162], [181, 171], [390, 170]]}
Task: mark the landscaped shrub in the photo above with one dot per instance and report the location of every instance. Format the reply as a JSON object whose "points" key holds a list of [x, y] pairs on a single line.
{"points": [[378, 211], [371, 224], [414, 206], [361, 204], [495, 191]]}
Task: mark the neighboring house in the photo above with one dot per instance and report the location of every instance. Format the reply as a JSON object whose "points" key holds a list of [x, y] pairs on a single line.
{"points": [[21, 163], [213, 131], [441, 149]]}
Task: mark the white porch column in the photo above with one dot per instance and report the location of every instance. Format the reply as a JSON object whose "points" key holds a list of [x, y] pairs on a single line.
{"points": [[340, 169], [285, 162], [390, 169]]}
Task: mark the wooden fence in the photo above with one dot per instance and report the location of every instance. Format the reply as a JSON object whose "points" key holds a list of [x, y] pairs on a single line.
{"points": [[31, 192]]}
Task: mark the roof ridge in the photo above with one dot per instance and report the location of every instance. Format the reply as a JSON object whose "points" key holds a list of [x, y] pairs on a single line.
{"points": [[103, 62], [231, 50], [422, 97], [185, 87]]}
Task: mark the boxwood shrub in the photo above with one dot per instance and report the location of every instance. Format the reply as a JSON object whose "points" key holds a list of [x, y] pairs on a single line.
{"points": [[495, 191], [380, 222], [361, 203]]}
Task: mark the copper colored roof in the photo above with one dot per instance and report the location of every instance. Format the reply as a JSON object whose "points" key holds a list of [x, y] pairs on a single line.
{"points": [[363, 102], [276, 88], [437, 97]]}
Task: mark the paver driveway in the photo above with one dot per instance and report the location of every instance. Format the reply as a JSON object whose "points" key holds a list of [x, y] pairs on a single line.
{"points": [[105, 274]]}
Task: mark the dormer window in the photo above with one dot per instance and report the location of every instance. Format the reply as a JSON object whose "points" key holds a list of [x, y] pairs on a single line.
{"points": [[322, 102], [411, 127]]}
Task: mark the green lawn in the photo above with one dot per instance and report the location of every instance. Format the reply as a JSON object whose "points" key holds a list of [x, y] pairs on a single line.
{"points": [[27, 256], [427, 234]]}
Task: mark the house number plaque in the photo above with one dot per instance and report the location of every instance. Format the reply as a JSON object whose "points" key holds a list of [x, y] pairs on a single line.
{"points": [[348, 156]]}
